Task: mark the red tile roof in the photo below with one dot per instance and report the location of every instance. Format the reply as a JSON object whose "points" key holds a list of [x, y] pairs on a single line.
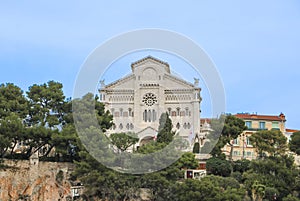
{"points": [[248, 116], [203, 120], [291, 130]]}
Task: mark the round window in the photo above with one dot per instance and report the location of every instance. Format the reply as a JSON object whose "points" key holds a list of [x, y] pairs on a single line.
{"points": [[149, 99]]}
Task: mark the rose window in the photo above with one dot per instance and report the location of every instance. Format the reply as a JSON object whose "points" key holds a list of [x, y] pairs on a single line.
{"points": [[149, 99]]}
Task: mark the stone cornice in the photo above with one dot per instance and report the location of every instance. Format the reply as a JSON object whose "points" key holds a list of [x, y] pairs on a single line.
{"points": [[119, 91], [120, 81], [178, 80], [174, 91]]}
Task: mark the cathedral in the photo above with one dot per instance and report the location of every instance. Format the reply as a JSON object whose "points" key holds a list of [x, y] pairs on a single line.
{"points": [[138, 100]]}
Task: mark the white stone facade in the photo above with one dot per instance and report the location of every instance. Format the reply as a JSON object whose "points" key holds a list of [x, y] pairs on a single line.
{"points": [[137, 100]]}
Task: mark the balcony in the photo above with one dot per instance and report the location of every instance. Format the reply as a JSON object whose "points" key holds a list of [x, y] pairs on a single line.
{"points": [[256, 129]]}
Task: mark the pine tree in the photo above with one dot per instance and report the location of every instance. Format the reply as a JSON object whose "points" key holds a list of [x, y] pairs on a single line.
{"points": [[165, 134]]}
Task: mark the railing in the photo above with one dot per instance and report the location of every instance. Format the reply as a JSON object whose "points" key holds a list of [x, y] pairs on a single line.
{"points": [[256, 129]]}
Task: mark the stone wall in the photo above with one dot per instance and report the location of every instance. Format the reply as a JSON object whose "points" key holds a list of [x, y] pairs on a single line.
{"points": [[47, 181]]}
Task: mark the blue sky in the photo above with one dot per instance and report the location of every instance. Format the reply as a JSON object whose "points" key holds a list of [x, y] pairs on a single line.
{"points": [[254, 44]]}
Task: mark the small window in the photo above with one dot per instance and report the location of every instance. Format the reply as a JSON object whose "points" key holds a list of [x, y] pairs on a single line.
{"points": [[262, 125], [248, 141], [178, 125], [249, 124], [235, 142], [117, 114], [173, 113], [121, 126], [182, 113], [125, 114], [275, 124]]}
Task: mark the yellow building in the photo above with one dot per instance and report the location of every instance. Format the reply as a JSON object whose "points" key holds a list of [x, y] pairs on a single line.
{"points": [[242, 147]]}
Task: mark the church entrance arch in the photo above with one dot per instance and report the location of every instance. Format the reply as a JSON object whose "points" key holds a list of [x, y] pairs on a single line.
{"points": [[146, 140]]}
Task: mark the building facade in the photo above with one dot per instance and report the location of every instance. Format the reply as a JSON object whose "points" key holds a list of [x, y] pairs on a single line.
{"points": [[242, 147], [138, 100]]}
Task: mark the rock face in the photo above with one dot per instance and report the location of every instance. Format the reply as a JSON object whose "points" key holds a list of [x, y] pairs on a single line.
{"points": [[22, 180]]}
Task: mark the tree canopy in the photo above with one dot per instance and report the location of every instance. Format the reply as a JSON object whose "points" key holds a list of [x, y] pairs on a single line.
{"points": [[294, 144], [271, 142]]}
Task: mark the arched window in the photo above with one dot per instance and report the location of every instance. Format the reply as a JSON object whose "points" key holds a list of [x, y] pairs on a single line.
{"points": [[130, 112], [145, 116], [178, 110], [121, 126], [184, 126], [188, 125], [178, 125], [149, 115], [169, 111], [127, 126], [186, 111], [131, 126], [153, 115]]}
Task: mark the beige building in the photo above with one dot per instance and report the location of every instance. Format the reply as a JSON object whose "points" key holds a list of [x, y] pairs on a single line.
{"points": [[242, 147], [138, 100]]}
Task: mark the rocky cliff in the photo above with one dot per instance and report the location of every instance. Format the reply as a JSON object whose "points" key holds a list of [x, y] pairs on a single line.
{"points": [[24, 180]]}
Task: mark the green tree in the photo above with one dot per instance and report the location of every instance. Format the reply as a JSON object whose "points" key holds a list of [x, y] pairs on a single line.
{"points": [[276, 172], [272, 142], [218, 166], [45, 104], [258, 191], [209, 188], [225, 133], [294, 143], [165, 134], [66, 143], [123, 140], [12, 131], [290, 198], [12, 100], [241, 165]]}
